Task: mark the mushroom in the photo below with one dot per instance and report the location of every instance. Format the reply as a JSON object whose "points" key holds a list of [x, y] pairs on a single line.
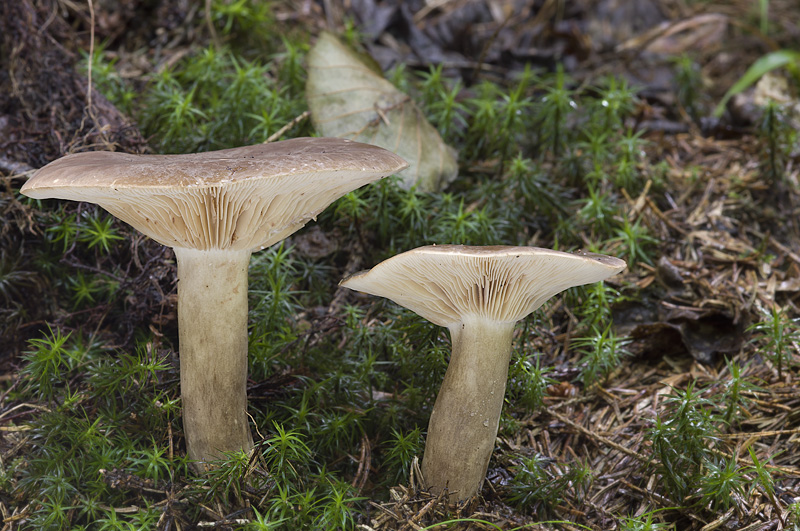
{"points": [[478, 293], [214, 209]]}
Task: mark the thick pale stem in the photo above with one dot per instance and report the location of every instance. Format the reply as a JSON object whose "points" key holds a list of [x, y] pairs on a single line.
{"points": [[212, 333], [466, 414]]}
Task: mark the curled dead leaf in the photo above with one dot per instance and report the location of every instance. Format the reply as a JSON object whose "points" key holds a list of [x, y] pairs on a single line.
{"points": [[348, 99]]}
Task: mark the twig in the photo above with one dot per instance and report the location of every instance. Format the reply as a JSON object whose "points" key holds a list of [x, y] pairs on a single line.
{"points": [[121, 510], [719, 521], [14, 429], [16, 516], [236, 521], [210, 24], [364, 467], [296, 120], [24, 404], [90, 108], [758, 434], [91, 58], [657, 211], [421, 513], [18, 169], [604, 440]]}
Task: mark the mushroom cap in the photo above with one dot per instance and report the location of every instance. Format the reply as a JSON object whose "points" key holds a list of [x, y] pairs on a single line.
{"points": [[244, 198], [447, 284]]}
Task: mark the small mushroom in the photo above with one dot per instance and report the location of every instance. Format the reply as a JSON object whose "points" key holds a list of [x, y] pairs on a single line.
{"points": [[478, 293], [214, 209]]}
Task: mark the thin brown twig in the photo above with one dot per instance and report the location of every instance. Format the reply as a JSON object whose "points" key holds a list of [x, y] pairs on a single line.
{"points": [[758, 434], [598, 437], [210, 24], [22, 405], [91, 57], [16, 168], [296, 120], [364, 465]]}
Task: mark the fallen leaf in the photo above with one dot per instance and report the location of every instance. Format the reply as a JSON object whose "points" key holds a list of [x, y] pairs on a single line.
{"points": [[348, 99]]}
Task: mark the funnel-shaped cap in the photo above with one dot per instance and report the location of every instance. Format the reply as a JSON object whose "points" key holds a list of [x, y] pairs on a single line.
{"points": [[447, 283], [243, 198]]}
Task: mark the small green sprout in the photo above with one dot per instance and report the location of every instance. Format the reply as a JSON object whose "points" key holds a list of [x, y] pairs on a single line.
{"points": [[780, 336]]}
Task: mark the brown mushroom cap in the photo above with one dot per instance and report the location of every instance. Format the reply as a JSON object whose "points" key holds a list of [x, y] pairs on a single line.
{"points": [[446, 284], [243, 198]]}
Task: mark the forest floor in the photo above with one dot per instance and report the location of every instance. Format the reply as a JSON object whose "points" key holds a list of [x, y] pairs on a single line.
{"points": [[690, 418]]}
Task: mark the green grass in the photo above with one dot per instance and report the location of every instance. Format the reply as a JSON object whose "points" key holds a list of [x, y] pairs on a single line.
{"points": [[602, 352], [538, 484], [779, 336]]}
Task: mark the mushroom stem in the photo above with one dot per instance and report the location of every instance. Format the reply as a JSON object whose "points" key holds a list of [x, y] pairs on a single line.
{"points": [[212, 324], [466, 414]]}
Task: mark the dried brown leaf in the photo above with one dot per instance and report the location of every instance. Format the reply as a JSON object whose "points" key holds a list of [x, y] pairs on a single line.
{"points": [[350, 100]]}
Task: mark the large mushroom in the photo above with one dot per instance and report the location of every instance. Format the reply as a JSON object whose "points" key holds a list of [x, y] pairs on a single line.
{"points": [[214, 209], [478, 293]]}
